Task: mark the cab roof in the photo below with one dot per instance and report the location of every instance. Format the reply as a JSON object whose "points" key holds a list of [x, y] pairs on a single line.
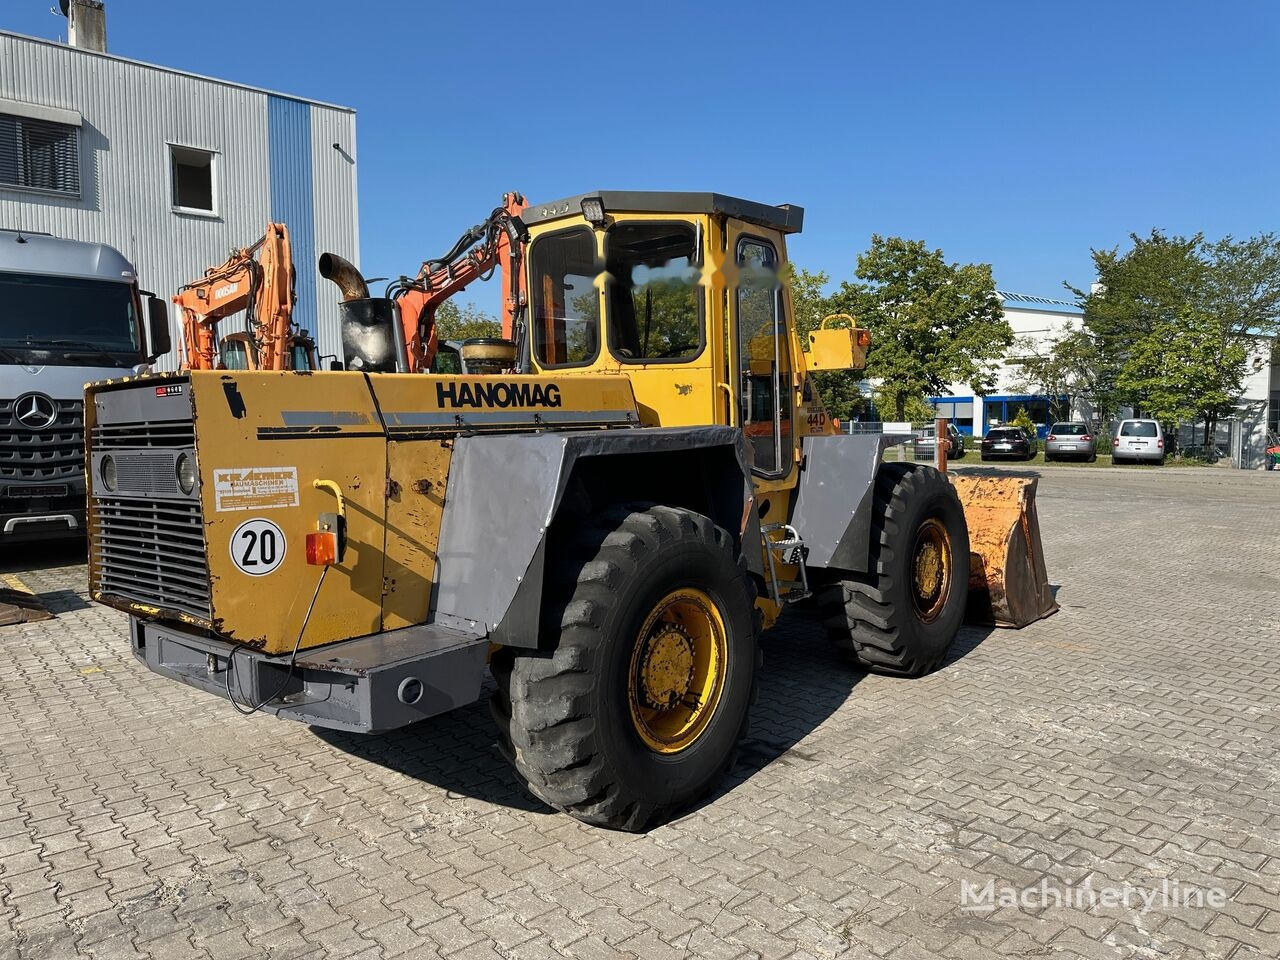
{"points": [[28, 252], [786, 217]]}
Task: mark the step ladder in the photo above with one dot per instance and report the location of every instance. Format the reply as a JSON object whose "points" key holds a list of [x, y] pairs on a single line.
{"points": [[784, 545]]}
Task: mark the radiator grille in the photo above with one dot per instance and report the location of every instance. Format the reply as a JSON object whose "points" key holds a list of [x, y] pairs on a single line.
{"points": [[174, 433], [152, 552], [144, 472], [55, 452]]}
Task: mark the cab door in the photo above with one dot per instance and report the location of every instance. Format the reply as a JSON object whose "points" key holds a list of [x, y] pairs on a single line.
{"points": [[760, 368], [760, 361]]}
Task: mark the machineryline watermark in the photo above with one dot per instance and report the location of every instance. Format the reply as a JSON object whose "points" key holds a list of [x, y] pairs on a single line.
{"points": [[1167, 895]]}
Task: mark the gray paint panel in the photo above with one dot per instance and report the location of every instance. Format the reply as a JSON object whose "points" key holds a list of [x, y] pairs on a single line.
{"points": [[39, 253], [494, 519], [61, 383], [487, 504], [833, 505]]}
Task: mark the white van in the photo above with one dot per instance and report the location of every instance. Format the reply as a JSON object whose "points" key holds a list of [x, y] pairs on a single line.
{"points": [[1138, 441]]}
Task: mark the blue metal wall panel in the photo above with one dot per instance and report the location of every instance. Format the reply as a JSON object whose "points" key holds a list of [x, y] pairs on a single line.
{"points": [[292, 194]]}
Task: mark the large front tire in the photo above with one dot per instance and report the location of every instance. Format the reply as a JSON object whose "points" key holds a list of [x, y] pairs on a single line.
{"points": [[902, 615], [639, 700]]}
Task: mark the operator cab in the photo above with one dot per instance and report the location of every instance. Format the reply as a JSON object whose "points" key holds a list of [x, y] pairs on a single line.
{"points": [[682, 293], [238, 352]]}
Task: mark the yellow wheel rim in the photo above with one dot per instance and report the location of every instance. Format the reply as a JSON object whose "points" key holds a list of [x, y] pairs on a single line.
{"points": [[930, 570], [677, 670]]}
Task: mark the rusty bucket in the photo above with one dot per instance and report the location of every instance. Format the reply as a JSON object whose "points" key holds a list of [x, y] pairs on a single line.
{"points": [[1008, 584]]}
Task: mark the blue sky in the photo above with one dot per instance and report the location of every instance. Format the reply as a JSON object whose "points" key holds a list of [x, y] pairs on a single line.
{"points": [[1017, 134]]}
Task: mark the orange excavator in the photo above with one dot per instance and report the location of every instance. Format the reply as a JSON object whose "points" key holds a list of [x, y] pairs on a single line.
{"points": [[258, 280], [496, 244]]}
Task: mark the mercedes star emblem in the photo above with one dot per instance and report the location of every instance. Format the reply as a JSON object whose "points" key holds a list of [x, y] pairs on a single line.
{"points": [[35, 411]]}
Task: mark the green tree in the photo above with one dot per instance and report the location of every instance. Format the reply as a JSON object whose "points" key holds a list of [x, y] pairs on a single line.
{"points": [[1023, 419], [1244, 284], [1065, 367], [465, 322], [932, 322], [808, 299], [1184, 369], [1173, 318]]}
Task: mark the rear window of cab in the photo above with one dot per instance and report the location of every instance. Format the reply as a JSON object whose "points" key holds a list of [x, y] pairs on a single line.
{"points": [[1069, 429], [1005, 435]]}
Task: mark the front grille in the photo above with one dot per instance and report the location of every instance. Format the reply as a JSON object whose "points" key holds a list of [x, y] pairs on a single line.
{"points": [[55, 452], [147, 539], [151, 552]]}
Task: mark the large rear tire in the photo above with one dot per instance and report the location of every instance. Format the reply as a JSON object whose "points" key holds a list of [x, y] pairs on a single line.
{"points": [[902, 615], [637, 703]]}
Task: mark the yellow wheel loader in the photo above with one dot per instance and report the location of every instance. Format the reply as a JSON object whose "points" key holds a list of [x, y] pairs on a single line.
{"points": [[606, 521]]}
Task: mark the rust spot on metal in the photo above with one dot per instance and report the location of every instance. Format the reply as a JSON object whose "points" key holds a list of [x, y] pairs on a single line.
{"points": [[393, 488], [684, 389], [422, 486]]}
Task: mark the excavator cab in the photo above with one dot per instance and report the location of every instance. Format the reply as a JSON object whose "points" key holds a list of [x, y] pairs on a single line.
{"points": [[238, 352]]}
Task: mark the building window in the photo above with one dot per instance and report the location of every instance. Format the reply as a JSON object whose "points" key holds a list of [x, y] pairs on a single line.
{"points": [[192, 177], [39, 154]]}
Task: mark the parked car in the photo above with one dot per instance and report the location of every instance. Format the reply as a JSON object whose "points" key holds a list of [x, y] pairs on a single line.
{"points": [[1012, 443], [925, 439], [1069, 441], [1138, 441]]}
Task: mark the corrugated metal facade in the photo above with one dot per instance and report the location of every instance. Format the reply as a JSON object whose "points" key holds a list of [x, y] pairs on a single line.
{"points": [[274, 159], [292, 197]]}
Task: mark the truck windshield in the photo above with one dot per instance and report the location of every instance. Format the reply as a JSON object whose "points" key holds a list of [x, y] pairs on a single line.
{"points": [[68, 320]]}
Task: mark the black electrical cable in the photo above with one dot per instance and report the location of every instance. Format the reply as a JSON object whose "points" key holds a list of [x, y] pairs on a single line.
{"points": [[293, 659]]}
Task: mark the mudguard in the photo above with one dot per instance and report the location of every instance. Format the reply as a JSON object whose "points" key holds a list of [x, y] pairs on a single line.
{"points": [[505, 491], [835, 499]]}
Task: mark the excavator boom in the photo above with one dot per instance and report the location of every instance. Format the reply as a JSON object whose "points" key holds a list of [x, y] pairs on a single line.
{"points": [[258, 280]]}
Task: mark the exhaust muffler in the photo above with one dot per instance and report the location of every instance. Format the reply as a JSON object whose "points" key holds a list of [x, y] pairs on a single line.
{"points": [[371, 331]]}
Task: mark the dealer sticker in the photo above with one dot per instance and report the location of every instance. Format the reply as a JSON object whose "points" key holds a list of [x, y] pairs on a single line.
{"points": [[255, 488], [257, 547]]}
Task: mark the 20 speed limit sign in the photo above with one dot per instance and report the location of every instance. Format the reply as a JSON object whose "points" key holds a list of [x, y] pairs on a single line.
{"points": [[257, 547]]}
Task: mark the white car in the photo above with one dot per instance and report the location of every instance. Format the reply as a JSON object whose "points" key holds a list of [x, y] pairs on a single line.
{"points": [[1138, 441]]}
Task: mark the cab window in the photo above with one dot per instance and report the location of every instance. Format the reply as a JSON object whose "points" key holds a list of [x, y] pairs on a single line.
{"points": [[565, 315], [763, 359], [653, 291], [235, 354]]}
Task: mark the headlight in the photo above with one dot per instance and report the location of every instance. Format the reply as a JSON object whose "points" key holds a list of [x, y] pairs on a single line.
{"points": [[185, 468], [107, 472]]}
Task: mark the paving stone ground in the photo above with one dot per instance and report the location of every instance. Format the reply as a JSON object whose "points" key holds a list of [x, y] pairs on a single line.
{"points": [[1133, 738]]}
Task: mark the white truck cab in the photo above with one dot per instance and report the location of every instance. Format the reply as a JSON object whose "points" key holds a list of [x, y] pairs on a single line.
{"points": [[70, 313]]}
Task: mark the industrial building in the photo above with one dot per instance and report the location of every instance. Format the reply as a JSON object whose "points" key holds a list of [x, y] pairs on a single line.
{"points": [[1033, 319], [170, 168]]}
